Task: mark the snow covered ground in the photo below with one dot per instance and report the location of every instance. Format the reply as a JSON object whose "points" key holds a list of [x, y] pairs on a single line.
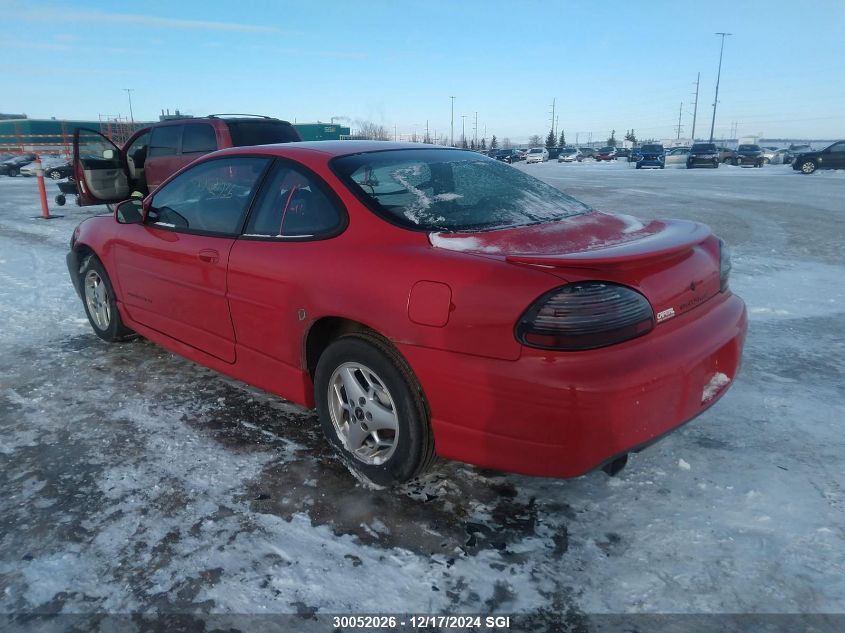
{"points": [[135, 481]]}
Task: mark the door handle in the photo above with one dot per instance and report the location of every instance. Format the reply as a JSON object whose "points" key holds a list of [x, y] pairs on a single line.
{"points": [[209, 255]]}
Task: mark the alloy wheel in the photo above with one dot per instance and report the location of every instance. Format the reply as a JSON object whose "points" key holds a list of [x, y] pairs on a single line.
{"points": [[808, 167], [363, 413], [97, 300]]}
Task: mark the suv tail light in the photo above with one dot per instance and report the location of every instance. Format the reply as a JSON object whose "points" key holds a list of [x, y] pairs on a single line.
{"points": [[724, 265], [585, 315]]}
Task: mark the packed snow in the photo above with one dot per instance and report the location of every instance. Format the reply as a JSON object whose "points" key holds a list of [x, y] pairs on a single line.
{"points": [[136, 481]]}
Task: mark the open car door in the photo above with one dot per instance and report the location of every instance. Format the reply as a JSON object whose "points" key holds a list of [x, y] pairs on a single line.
{"points": [[99, 169]]}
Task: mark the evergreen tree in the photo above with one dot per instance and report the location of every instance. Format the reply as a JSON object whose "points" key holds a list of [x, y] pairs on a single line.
{"points": [[611, 142], [550, 139], [472, 144], [483, 143], [562, 141], [494, 144], [630, 136]]}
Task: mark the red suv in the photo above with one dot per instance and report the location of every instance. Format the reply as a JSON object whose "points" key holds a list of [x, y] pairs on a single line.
{"points": [[105, 172]]}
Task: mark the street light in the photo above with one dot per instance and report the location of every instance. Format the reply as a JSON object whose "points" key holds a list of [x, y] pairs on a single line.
{"points": [[718, 77], [452, 136]]}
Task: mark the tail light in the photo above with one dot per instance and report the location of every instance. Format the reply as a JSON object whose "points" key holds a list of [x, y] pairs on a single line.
{"points": [[724, 265], [585, 315]]}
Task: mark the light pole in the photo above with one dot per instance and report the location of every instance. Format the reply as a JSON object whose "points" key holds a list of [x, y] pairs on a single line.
{"points": [[452, 134], [129, 92], [463, 128], [718, 78], [695, 108]]}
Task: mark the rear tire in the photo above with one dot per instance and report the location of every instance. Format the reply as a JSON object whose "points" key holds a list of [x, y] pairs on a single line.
{"points": [[362, 382], [99, 302], [56, 175]]}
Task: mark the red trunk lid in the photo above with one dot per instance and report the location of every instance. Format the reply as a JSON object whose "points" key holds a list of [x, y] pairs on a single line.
{"points": [[674, 263]]}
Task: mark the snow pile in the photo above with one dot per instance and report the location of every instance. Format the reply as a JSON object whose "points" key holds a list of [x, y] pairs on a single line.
{"points": [[460, 243], [714, 386]]}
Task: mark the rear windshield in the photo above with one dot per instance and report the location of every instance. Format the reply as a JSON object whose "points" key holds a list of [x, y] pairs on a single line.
{"points": [[651, 148], [607, 149], [704, 147], [261, 132], [451, 190], [536, 150], [748, 148]]}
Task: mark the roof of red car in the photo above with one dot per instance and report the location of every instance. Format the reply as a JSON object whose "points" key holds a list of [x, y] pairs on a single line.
{"points": [[328, 148]]}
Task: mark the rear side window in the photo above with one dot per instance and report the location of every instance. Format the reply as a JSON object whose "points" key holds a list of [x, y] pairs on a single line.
{"points": [[293, 204], [209, 198], [261, 132], [198, 138], [164, 140]]}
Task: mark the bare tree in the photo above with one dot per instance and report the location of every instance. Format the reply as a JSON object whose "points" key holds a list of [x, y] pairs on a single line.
{"points": [[535, 140], [372, 131], [506, 143]]}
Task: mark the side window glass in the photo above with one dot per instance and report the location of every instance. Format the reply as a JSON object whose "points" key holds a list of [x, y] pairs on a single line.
{"points": [[293, 205], [198, 138], [838, 148], [210, 198], [96, 152], [164, 140]]}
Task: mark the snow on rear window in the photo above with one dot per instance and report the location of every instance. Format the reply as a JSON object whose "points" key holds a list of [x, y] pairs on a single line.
{"points": [[452, 190]]}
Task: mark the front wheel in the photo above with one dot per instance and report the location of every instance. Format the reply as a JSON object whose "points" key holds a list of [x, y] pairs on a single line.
{"points": [[808, 167], [372, 410], [100, 304], [56, 175]]}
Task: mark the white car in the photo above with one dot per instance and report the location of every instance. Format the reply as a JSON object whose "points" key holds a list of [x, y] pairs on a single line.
{"points": [[569, 155], [769, 154], [47, 163], [537, 155], [677, 156]]}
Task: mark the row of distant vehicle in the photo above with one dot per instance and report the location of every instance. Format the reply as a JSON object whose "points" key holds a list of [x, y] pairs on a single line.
{"points": [[55, 167], [654, 155]]}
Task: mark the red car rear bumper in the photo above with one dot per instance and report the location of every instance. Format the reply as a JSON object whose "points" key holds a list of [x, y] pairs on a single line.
{"points": [[561, 414]]}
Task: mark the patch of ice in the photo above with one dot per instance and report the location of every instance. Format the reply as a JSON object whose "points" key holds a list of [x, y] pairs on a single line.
{"points": [[683, 465]]}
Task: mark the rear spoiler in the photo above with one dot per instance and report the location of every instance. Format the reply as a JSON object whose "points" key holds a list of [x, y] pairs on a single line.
{"points": [[678, 237]]}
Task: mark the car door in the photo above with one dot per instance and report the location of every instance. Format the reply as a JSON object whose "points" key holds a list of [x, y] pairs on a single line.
{"points": [[163, 155], [172, 267], [99, 169], [836, 156], [273, 269]]}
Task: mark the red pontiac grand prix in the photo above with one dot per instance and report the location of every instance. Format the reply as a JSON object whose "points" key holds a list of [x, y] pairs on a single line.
{"points": [[426, 300]]}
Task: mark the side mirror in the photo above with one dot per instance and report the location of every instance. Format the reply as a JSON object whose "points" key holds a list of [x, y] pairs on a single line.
{"points": [[130, 212], [108, 154]]}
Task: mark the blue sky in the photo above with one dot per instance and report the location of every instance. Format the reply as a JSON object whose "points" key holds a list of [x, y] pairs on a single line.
{"points": [[609, 65]]}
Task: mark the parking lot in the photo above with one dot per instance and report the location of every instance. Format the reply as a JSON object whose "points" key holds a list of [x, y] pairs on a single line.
{"points": [[137, 481]]}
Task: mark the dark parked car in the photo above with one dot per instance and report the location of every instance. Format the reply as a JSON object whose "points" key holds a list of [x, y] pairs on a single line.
{"points": [[506, 155], [623, 153], [587, 152], [749, 155], [12, 166], [832, 157], [703, 155], [651, 155], [155, 153], [606, 153]]}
